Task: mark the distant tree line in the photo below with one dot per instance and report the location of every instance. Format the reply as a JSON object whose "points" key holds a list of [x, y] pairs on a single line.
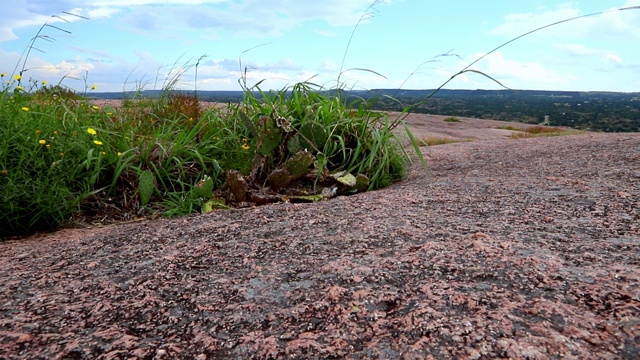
{"points": [[596, 111]]}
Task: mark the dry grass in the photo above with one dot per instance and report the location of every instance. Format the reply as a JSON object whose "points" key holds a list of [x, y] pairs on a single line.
{"points": [[431, 141], [509, 127], [542, 131]]}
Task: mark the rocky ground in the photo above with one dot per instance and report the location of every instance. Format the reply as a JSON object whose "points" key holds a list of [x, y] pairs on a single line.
{"points": [[522, 249]]}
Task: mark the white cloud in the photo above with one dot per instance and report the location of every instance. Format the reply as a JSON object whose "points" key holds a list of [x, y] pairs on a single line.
{"points": [[516, 74], [307, 76], [326, 33], [218, 83], [76, 72], [577, 50], [358, 79], [39, 69], [613, 58], [164, 17], [103, 12], [613, 23], [519, 23], [607, 58], [171, 19], [100, 55], [259, 18], [282, 64], [124, 3], [7, 34], [14, 18], [67, 69], [267, 79], [328, 66]]}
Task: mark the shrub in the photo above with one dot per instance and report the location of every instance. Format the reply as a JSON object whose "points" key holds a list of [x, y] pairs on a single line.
{"points": [[63, 157]]}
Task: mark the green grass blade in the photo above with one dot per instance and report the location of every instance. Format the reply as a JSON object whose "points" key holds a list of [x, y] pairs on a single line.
{"points": [[416, 147]]}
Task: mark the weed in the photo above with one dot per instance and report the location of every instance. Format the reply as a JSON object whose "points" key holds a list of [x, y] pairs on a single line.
{"points": [[452, 120], [49, 160], [64, 157]]}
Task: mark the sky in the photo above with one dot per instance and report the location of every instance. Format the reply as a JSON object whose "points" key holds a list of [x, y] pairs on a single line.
{"points": [[124, 45]]}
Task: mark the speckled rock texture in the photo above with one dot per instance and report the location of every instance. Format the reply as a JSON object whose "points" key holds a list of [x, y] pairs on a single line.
{"points": [[521, 249]]}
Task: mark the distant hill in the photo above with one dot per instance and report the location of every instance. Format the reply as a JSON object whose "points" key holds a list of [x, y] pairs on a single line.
{"points": [[598, 111]]}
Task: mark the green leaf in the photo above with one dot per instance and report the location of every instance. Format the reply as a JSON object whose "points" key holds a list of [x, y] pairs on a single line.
{"points": [[416, 147], [214, 204], [247, 122], [204, 187], [146, 186]]}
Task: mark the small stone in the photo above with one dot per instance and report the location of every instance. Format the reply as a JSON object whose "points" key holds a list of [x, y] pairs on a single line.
{"points": [[237, 185], [623, 194]]}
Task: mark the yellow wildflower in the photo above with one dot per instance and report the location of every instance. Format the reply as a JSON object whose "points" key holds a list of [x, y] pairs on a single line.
{"points": [[42, 142], [91, 131], [104, 153], [24, 108], [93, 87], [3, 74], [17, 77], [94, 107], [97, 142], [19, 88], [245, 146], [48, 146], [44, 82], [119, 154]]}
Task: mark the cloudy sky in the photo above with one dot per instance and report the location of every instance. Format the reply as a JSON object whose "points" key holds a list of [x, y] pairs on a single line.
{"points": [[131, 44]]}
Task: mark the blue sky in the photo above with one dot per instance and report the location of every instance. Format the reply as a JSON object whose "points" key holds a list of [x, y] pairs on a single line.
{"points": [[132, 44]]}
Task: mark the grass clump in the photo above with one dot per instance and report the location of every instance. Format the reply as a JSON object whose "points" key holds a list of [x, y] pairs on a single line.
{"points": [[47, 157], [452, 120], [540, 131], [432, 141], [509, 127], [65, 158]]}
